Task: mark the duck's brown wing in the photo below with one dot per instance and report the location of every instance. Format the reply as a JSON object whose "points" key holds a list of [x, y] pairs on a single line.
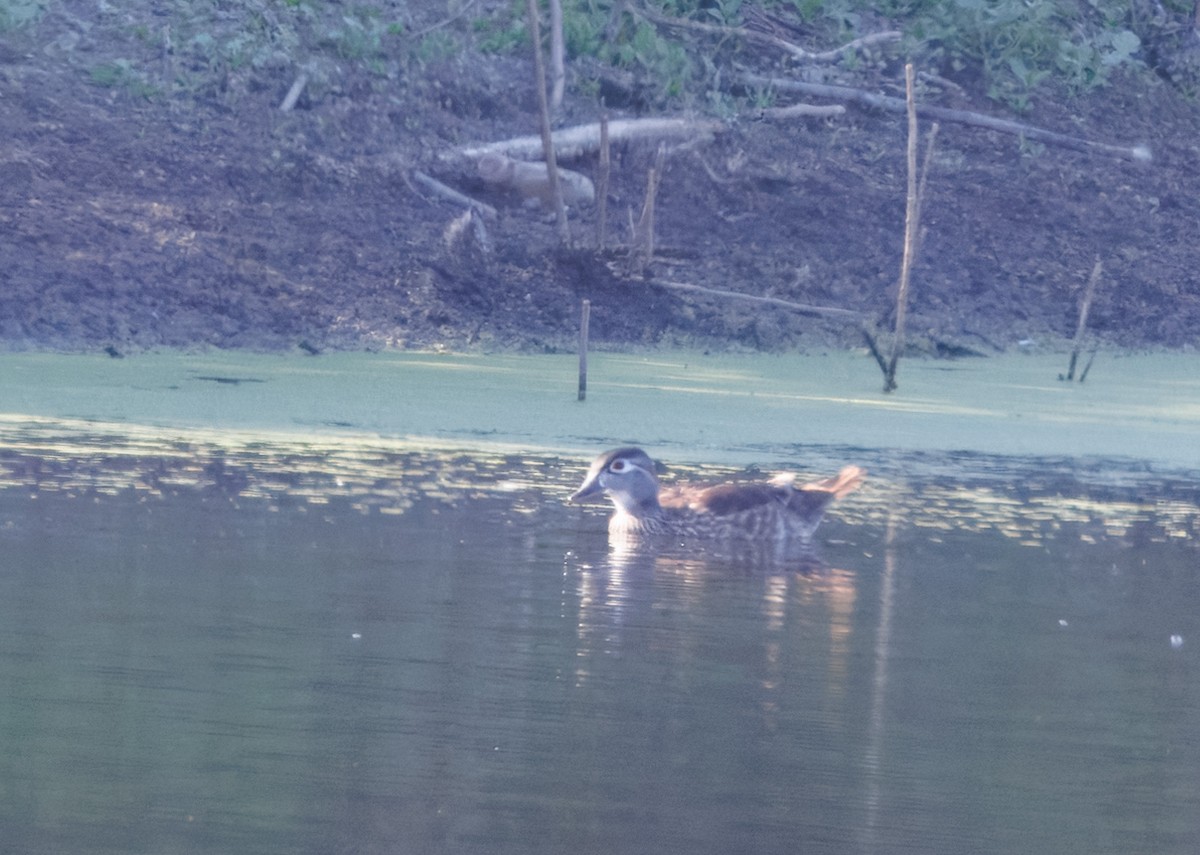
{"points": [[722, 499]]}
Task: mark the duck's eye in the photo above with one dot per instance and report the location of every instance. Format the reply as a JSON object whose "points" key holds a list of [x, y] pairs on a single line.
{"points": [[618, 466]]}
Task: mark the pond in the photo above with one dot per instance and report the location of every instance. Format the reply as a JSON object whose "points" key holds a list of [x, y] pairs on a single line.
{"points": [[271, 645]]}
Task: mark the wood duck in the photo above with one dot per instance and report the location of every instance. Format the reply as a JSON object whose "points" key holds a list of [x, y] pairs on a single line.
{"points": [[778, 510]]}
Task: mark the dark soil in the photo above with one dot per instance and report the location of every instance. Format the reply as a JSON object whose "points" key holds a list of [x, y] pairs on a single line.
{"points": [[182, 208]]}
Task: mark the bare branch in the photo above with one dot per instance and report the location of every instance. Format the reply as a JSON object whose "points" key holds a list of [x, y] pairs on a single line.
{"points": [[795, 51], [450, 194], [897, 105], [802, 308], [445, 21]]}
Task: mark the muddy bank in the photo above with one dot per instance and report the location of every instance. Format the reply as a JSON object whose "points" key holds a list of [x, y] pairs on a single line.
{"points": [[189, 211]]}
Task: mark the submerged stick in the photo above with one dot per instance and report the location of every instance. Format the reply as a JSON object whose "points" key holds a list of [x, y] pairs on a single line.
{"points": [[1083, 375], [873, 347], [585, 314]]}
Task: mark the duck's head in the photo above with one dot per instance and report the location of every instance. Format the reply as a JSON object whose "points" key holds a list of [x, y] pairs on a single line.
{"points": [[627, 475]]}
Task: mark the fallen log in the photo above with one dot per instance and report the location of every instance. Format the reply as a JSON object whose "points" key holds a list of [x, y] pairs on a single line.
{"points": [[584, 139], [532, 180]]}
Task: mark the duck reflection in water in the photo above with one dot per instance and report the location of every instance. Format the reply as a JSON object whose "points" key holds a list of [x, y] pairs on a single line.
{"points": [[778, 516]]}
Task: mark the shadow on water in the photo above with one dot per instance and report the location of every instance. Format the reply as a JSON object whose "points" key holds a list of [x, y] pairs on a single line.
{"points": [[301, 647]]}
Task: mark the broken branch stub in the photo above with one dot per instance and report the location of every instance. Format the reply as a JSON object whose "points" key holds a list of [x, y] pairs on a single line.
{"points": [[532, 180]]}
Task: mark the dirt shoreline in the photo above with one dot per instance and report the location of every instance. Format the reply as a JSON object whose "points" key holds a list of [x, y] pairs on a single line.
{"points": [[200, 215]]}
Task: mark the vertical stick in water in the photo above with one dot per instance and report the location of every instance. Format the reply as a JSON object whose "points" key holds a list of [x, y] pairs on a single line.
{"points": [[584, 317], [1081, 327], [910, 234]]}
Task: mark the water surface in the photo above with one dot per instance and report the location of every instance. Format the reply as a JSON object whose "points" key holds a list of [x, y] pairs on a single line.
{"points": [[270, 646]]}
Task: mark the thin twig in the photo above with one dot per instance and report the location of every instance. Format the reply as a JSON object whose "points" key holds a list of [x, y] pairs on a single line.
{"points": [[641, 242], [453, 195], [602, 176], [897, 105], [1083, 374], [539, 71], [444, 22], [794, 50], [802, 308], [923, 182], [293, 94]]}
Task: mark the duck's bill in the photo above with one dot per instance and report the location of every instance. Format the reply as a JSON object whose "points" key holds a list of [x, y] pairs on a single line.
{"points": [[590, 489]]}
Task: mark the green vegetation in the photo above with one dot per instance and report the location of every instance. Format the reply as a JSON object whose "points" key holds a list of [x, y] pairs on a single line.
{"points": [[1007, 49], [122, 74], [1010, 46], [1014, 46], [19, 13]]}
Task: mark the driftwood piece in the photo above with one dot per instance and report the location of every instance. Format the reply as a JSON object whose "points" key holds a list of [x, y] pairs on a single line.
{"points": [[583, 139], [964, 117], [532, 180]]}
